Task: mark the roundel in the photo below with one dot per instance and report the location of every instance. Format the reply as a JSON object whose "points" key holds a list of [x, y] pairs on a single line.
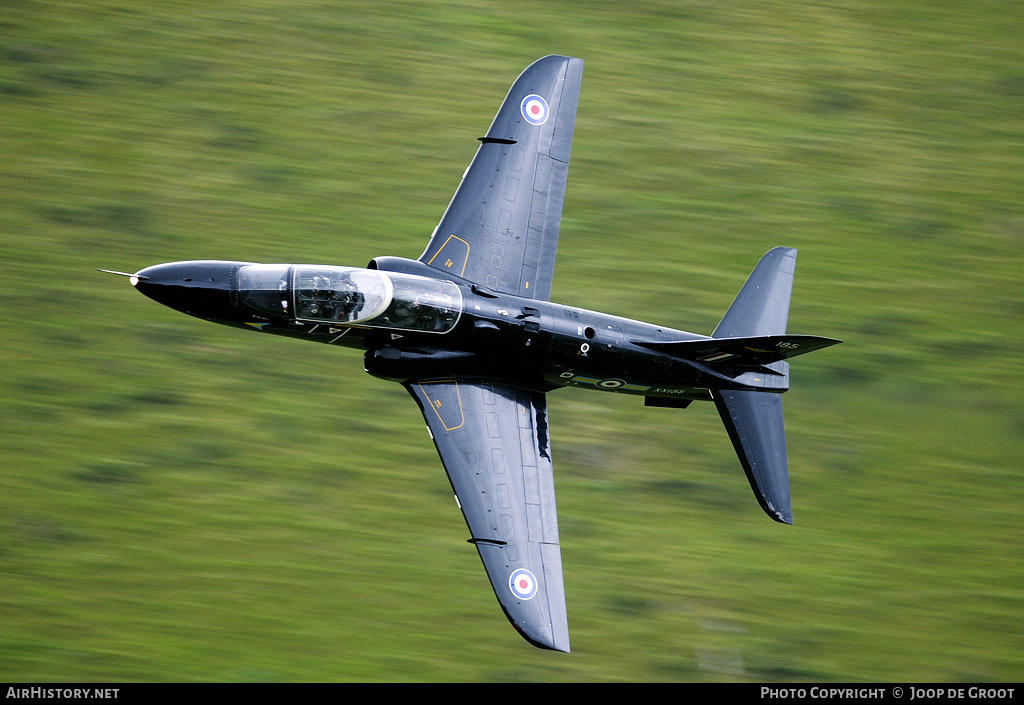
{"points": [[523, 584], [610, 383], [534, 109]]}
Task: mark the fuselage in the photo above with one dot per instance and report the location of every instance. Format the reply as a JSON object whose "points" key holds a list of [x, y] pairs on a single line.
{"points": [[412, 325]]}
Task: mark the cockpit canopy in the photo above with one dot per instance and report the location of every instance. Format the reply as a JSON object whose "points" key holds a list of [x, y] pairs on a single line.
{"points": [[349, 295]]}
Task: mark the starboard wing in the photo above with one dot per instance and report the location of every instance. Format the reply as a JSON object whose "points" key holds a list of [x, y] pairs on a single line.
{"points": [[501, 228], [493, 441]]}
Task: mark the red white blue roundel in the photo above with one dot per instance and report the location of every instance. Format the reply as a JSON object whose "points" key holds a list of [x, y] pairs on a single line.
{"points": [[534, 109], [523, 584]]}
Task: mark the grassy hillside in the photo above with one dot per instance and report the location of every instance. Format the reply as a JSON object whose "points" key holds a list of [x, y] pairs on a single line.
{"points": [[180, 501]]}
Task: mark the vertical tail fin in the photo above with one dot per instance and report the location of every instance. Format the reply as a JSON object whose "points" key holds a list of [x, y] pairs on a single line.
{"points": [[754, 419]]}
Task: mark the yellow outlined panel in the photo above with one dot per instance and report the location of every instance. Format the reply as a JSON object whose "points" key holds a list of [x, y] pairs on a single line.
{"points": [[446, 402], [454, 255]]}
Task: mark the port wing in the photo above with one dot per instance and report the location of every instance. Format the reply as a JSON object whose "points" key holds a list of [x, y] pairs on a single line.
{"points": [[492, 437]]}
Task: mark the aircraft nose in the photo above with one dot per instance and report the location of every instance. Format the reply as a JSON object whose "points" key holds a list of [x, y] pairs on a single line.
{"points": [[200, 288]]}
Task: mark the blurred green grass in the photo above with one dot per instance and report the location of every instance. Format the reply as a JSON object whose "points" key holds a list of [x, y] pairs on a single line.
{"points": [[184, 502]]}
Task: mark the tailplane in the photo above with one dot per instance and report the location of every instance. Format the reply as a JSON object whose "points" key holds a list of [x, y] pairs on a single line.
{"points": [[762, 306], [753, 419], [754, 423]]}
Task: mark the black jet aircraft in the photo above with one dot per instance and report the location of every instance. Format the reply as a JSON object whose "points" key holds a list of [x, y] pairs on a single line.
{"points": [[468, 330]]}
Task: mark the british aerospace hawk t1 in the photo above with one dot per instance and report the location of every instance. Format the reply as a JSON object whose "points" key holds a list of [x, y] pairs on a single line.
{"points": [[468, 330]]}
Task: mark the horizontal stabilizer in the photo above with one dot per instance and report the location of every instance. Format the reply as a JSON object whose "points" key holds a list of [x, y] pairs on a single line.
{"points": [[748, 351], [754, 423], [762, 306]]}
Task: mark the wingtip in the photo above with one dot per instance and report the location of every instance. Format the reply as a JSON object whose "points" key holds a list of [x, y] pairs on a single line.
{"points": [[783, 516], [549, 636], [544, 639]]}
